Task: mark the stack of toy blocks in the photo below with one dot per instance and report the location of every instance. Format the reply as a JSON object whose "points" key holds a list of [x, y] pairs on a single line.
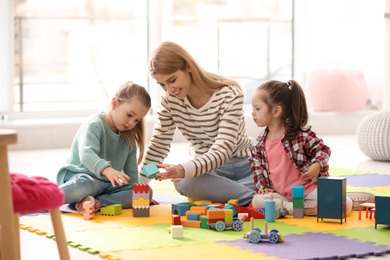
{"points": [[141, 200], [298, 194]]}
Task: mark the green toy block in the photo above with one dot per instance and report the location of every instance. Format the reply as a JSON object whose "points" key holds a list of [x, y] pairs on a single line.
{"points": [[203, 223], [298, 203], [151, 170], [112, 210]]}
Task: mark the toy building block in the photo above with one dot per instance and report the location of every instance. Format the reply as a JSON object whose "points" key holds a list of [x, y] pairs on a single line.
{"points": [[228, 215], [181, 208], [270, 210], [233, 202], [151, 170], [112, 210], [177, 231], [176, 220], [231, 206], [193, 216], [241, 215], [252, 212], [331, 198], [141, 200], [298, 192], [201, 202], [298, 203], [299, 213], [203, 223], [89, 210], [245, 219], [382, 210], [198, 209], [190, 223]]}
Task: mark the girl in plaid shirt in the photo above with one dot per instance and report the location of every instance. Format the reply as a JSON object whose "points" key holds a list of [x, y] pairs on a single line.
{"points": [[287, 153]]}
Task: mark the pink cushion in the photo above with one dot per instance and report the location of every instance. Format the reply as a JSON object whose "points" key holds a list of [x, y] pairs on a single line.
{"points": [[33, 194], [335, 88]]}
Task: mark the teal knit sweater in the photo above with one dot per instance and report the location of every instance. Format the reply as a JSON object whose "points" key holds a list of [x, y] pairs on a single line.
{"points": [[96, 147]]}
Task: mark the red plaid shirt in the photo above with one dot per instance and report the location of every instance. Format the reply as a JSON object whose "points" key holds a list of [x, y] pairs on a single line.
{"points": [[304, 150]]}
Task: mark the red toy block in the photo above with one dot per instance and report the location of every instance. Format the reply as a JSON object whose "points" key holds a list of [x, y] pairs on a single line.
{"points": [[140, 187], [176, 220], [245, 218]]}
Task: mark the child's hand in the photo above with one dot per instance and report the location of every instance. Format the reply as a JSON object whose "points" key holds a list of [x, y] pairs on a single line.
{"points": [[173, 172], [313, 172], [115, 176], [265, 191]]}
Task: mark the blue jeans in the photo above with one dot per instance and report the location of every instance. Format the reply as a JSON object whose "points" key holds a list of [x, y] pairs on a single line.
{"points": [[230, 181], [77, 186]]}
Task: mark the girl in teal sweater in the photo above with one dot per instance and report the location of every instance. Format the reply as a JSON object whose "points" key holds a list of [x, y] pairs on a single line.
{"points": [[103, 161]]}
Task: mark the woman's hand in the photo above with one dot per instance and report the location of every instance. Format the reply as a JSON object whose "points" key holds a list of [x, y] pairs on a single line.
{"points": [[313, 172], [115, 176], [265, 191], [172, 171]]}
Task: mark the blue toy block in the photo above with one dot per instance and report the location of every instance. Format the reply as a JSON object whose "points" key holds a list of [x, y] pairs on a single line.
{"points": [[151, 170], [270, 211], [193, 216], [230, 206], [298, 192], [180, 208]]}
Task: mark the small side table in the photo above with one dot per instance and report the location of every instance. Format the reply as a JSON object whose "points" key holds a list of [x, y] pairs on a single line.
{"points": [[367, 206]]}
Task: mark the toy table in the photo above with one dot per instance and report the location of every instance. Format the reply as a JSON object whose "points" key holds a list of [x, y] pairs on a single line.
{"points": [[368, 206]]}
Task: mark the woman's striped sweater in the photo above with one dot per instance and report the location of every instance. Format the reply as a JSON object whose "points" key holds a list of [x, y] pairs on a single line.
{"points": [[216, 131]]}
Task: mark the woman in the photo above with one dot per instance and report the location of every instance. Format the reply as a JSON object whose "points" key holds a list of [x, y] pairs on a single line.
{"points": [[208, 110]]}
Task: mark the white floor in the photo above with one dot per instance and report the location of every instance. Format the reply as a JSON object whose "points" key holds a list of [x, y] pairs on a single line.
{"points": [[345, 154]]}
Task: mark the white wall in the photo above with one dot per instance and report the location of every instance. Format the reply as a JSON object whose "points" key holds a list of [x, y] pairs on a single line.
{"points": [[349, 33]]}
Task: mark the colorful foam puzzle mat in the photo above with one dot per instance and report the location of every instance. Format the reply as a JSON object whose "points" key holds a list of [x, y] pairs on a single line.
{"points": [[147, 237]]}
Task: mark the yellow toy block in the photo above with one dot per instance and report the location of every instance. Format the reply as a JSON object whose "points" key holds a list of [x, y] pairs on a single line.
{"points": [[228, 215], [199, 202], [141, 202], [233, 202]]}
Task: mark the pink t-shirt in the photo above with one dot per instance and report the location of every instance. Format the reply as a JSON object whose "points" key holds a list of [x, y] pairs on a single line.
{"points": [[284, 174]]}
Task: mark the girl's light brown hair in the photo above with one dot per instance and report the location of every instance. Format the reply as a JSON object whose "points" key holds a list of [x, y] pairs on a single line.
{"points": [[169, 57], [137, 135], [290, 96]]}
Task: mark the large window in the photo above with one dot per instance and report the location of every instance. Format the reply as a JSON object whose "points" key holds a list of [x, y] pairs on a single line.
{"points": [[72, 55]]}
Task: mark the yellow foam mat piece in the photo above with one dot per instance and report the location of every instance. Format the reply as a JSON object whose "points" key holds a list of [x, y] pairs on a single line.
{"points": [[188, 252], [75, 222], [330, 224]]}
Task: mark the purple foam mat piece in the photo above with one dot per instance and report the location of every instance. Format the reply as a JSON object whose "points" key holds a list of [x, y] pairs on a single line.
{"points": [[368, 180], [313, 246], [167, 199]]}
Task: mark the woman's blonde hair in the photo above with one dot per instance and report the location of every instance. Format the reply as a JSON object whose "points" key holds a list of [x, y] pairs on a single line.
{"points": [[170, 57], [137, 135]]}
